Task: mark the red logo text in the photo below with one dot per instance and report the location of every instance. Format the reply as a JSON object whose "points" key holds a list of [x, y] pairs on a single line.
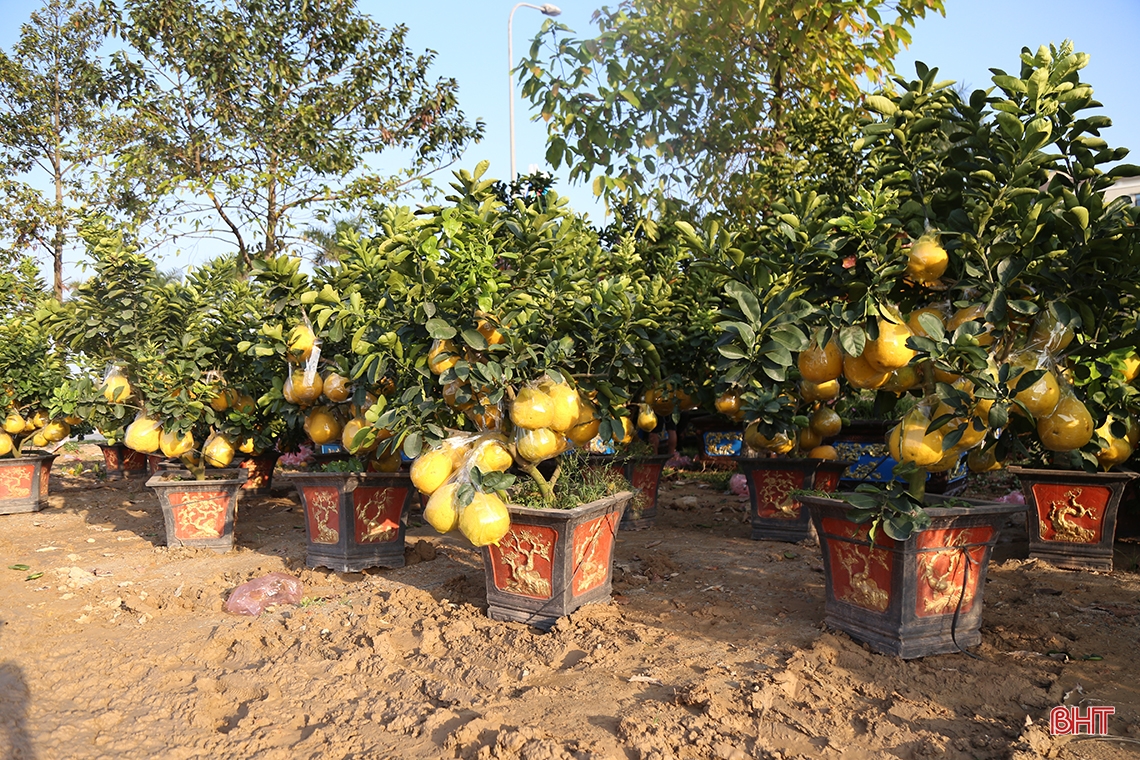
{"points": [[1065, 720]]}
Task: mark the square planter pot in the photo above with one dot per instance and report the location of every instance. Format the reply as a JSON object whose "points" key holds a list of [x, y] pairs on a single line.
{"points": [[354, 520], [553, 561], [776, 516], [260, 469], [24, 482], [1072, 515], [644, 474], [910, 598], [199, 513], [122, 462]]}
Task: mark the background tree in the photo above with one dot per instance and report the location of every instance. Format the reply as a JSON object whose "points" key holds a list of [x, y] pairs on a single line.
{"points": [[253, 112], [691, 96], [53, 130]]}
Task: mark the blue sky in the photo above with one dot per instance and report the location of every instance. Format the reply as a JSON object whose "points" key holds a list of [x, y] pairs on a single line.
{"points": [[471, 41]]}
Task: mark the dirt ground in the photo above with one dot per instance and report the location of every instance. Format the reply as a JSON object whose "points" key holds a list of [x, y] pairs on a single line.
{"points": [[712, 648]]}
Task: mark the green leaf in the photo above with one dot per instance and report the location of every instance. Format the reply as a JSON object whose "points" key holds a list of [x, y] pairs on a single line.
{"points": [[853, 339], [880, 105], [439, 329]]}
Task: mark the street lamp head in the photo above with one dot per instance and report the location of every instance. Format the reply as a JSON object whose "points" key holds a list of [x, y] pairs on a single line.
{"points": [[550, 10]]}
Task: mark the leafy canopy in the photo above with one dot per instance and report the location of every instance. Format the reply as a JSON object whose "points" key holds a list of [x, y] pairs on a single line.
{"points": [[691, 95]]}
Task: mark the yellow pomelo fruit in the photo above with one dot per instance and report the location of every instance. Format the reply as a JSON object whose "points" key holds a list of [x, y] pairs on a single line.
{"points": [[915, 444], [971, 434], [348, 435], [889, 351], [218, 451], [223, 399], [948, 461], [493, 456], [728, 403], [358, 411], [451, 396], [29, 426], [487, 417], [336, 388], [40, 418], [1117, 451], [441, 512], [584, 433], [566, 407], [779, 443], [174, 445], [809, 439], [916, 326], [646, 418], [116, 389], [73, 419], [321, 426], [927, 260], [14, 423], [144, 434], [389, 461], [823, 452], [245, 404], [538, 445], [1131, 367], [826, 422], [431, 470], [975, 313], [1133, 432], [300, 392], [983, 460], [862, 375], [894, 442], [301, 342], [492, 334], [1069, 426], [5, 444], [39, 441], [532, 409], [485, 520], [1039, 398], [627, 427], [1049, 334], [902, 380], [810, 391], [821, 364], [56, 430], [248, 446], [442, 356]]}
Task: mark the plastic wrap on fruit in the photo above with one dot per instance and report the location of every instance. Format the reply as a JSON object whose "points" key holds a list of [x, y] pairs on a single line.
{"points": [[435, 466], [116, 388], [1049, 334], [1040, 395], [302, 387], [253, 597], [490, 454], [912, 441], [540, 444]]}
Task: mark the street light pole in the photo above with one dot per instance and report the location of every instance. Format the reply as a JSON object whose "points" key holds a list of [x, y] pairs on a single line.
{"points": [[547, 10]]}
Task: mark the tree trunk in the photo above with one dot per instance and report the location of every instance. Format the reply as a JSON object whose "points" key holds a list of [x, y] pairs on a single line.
{"points": [[271, 211], [57, 165]]}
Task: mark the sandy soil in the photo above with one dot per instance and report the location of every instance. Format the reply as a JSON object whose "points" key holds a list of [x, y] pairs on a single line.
{"points": [[712, 648]]}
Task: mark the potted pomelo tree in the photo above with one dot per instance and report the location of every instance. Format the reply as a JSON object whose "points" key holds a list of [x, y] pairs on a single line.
{"points": [[31, 373], [1033, 266], [514, 289], [346, 340], [765, 304]]}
